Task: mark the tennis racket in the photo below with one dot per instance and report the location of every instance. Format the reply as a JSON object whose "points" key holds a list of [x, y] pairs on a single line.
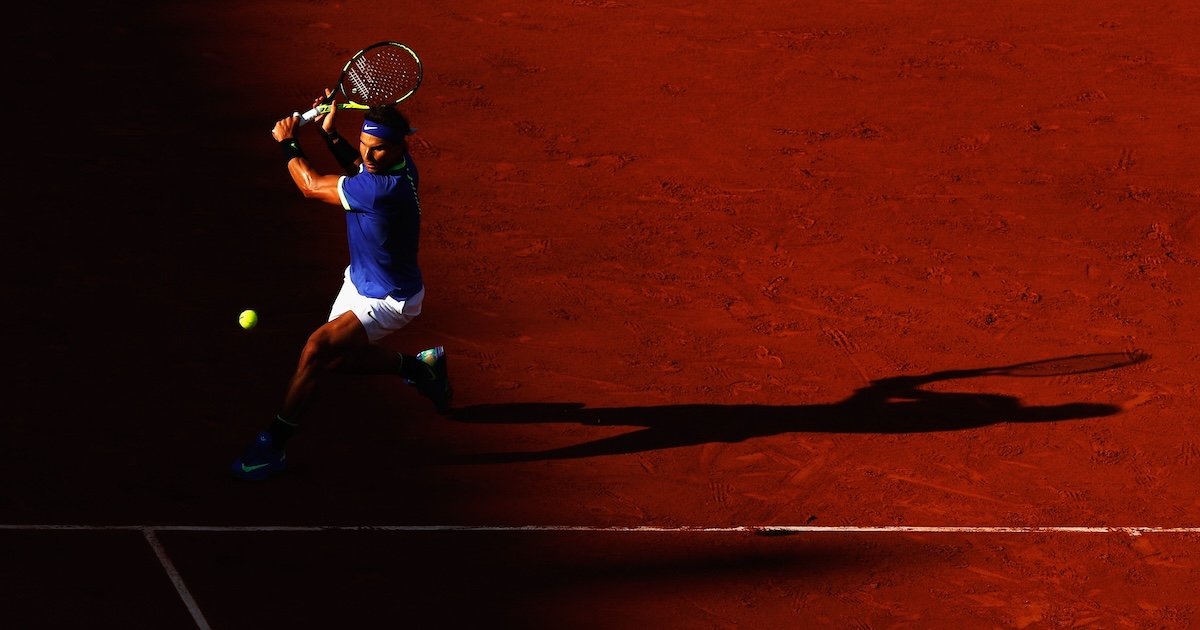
{"points": [[380, 74]]}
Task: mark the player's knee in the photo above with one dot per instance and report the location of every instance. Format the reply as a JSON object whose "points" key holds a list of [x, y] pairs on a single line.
{"points": [[319, 351]]}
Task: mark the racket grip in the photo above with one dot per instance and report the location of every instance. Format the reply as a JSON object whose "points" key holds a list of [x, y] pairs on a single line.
{"points": [[311, 114], [308, 116]]}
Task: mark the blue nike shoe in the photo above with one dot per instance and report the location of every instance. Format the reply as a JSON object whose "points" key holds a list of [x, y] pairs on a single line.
{"points": [[261, 458], [438, 388]]}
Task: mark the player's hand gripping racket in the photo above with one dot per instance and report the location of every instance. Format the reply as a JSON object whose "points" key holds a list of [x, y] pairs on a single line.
{"points": [[380, 74]]}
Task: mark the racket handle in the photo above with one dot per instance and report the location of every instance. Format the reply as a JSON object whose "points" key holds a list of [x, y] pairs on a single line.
{"points": [[308, 116], [311, 114]]}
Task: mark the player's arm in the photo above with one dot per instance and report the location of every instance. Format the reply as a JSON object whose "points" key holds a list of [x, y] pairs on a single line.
{"points": [[344, 151], [312, 185], [345, 154]]}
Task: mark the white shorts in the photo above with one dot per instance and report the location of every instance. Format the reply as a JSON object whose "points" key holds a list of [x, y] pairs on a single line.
{"points": [[380, 316]]}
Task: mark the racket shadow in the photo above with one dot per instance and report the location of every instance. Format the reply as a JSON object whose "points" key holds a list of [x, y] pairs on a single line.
{"points": [[886, 406]]}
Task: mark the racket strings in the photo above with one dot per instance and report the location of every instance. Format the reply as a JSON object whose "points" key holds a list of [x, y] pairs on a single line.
{"points": [[383, 75]]}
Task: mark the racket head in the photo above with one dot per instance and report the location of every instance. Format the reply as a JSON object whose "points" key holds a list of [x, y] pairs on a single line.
{"points": [[381, 74]]}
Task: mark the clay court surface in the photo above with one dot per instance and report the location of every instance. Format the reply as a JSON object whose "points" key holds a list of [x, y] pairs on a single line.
{"points": [[726, 289]]}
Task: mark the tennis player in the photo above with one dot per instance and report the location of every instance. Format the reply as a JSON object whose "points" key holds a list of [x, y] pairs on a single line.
{"points": [[382, 288]]}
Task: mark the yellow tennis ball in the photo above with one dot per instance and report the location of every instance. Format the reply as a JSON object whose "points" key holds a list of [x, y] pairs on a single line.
{"points": [[248, 319]]}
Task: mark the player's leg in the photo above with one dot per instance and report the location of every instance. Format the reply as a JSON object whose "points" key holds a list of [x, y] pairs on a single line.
{"points": [[347, 343], [326, 348], [340, 340], [381, 317]]}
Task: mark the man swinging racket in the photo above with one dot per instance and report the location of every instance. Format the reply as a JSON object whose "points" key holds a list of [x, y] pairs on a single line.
{"points": [[382, 288]]}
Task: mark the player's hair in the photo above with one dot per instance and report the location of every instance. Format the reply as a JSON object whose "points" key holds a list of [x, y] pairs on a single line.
{"points": [[390, 116]]}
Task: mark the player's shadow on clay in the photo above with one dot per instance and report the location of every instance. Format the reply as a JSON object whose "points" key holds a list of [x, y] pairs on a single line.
{"points": [[890, 405]]}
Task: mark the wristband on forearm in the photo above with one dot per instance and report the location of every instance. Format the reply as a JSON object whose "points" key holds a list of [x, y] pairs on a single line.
{"points": [[345, 154], [291, 149], [332, 138]]}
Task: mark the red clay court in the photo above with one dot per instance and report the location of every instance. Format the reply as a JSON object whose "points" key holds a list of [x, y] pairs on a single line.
{"points": [[728, 291]]}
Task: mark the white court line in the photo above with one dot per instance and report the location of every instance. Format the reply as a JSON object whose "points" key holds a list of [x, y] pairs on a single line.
{"points": [[176, 579], [754, 529], [149, 532]]}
